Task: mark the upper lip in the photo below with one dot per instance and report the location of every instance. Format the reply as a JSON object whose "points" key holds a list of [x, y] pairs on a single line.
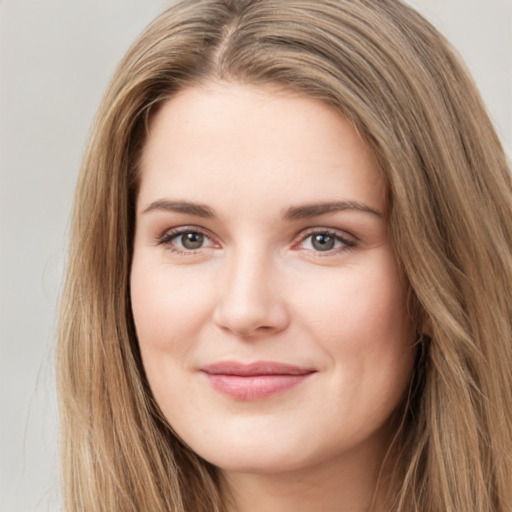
{"points": [[256, 368]]}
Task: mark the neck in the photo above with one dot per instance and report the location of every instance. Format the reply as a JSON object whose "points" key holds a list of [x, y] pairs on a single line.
{"points": [[348, 483]]}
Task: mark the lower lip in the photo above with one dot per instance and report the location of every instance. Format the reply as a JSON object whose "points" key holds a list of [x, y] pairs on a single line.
{"points": [[253, 387]]}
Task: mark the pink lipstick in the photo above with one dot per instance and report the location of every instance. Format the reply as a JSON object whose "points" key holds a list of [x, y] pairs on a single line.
{"points": [[256, 380]]}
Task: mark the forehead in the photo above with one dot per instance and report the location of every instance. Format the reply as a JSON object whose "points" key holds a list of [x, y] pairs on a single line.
{"points": [[230, 143]]}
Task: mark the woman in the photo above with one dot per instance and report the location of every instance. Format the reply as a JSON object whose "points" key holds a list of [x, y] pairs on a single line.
{"points": [[345, 345]]}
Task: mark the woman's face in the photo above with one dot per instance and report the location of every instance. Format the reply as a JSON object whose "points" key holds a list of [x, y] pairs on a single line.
{"points": [[268, 303]]}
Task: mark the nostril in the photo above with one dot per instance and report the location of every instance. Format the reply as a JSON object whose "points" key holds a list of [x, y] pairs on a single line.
{"points": [[248, 333]]}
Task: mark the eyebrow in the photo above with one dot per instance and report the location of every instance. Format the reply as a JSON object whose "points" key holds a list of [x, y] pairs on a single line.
{"points": [[292, 213], [316, 209], [200, 210]]}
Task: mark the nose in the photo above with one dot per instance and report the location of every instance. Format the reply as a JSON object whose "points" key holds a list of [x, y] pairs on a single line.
{"points": [[250, 305]]}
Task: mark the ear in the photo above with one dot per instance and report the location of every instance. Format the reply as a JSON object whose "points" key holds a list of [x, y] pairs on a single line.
{"points": [[420, 318], [426, 327]]}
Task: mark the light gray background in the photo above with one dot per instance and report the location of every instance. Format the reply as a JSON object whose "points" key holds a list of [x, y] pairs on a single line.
{"points": [[56, 58]]}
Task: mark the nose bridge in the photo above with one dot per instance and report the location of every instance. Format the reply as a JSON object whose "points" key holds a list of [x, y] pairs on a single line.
{"points": [[249, 302]]}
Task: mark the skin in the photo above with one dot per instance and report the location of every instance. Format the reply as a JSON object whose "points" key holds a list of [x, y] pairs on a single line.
{"points": [[259, 287]]}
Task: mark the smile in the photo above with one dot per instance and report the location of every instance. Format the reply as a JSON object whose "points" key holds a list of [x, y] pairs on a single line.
{"points": [[254, 381]]}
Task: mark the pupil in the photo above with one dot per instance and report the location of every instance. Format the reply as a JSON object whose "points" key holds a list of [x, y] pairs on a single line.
{"points": [[323, 242], [192, 240]]}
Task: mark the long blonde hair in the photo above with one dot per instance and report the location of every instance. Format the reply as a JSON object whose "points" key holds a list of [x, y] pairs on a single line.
{"points": [[386, 69]]}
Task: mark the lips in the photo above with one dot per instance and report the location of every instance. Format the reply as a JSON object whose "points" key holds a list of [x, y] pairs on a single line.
{"points": [[256, 380]]}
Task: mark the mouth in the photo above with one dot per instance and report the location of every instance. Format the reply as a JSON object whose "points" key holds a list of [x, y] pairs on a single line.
{"points": [[256, 380]]}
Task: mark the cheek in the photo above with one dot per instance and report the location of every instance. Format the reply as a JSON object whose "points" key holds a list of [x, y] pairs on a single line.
{"points": [[377, 318], [167, 306], [360, 319], [360, 307]]}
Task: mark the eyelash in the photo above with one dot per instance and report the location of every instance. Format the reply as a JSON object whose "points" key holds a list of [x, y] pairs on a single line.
{"points": [[167, 238], [347, 243]]}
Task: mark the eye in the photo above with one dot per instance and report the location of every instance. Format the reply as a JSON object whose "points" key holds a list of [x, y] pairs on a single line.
{"points": [[190, 240], [184, 240], [326, 241]]}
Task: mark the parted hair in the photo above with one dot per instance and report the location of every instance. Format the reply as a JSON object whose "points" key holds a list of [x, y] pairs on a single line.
{"points": [[449, 194]]}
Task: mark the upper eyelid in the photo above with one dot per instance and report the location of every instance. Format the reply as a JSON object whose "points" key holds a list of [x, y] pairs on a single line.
{"points": [[305, 233], [172, 232]]}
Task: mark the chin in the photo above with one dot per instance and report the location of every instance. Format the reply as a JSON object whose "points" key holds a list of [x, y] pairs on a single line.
{"points": [[258, 463], [252, 456]]}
